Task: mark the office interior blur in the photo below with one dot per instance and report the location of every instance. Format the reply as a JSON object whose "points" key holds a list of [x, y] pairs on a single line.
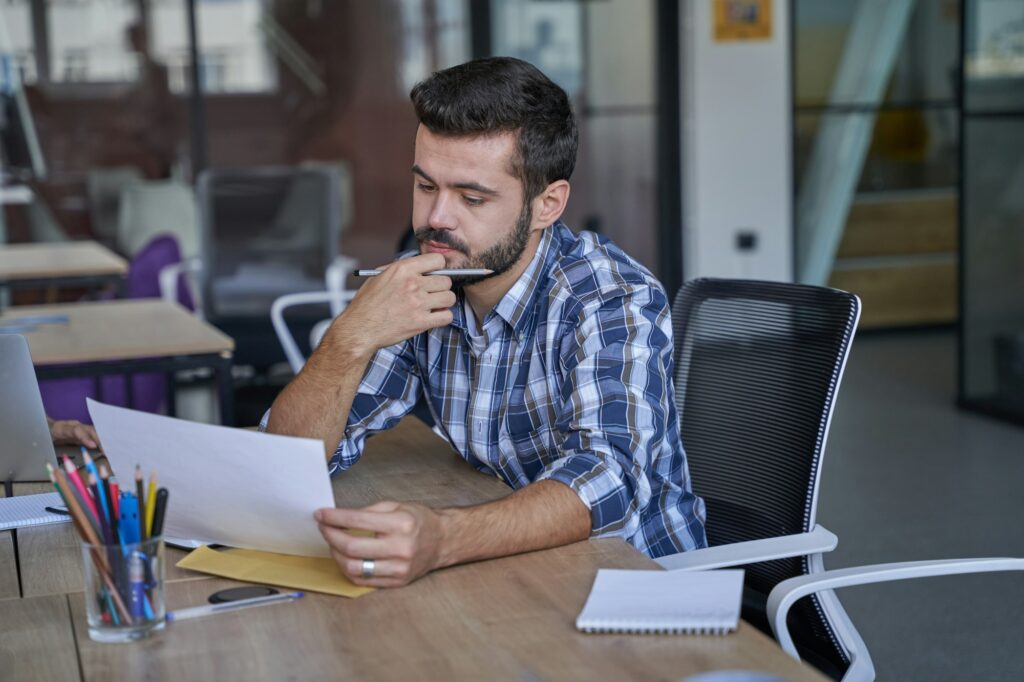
{"points": [[873, 147]]}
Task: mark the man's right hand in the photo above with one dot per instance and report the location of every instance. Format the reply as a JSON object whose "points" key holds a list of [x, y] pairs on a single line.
{"points": [[397, 304]]}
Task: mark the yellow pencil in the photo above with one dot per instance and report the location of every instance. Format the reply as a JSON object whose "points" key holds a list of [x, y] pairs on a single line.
{"points": [[150, 504]]}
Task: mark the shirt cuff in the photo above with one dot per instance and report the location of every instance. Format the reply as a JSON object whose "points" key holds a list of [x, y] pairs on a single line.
{"points": [[609, 499]]}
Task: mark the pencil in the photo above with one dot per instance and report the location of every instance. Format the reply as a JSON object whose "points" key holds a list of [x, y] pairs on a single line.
{"points": [[150, 504], [105, 478], [76, 480], [140, 496], [89, 535], [90, 466]]}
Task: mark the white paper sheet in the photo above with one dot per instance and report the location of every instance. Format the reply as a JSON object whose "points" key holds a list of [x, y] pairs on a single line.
{"points": [[226, 486]]}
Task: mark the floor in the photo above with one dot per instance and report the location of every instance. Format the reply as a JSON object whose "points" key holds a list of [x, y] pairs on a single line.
{"points": [[907, 476]]}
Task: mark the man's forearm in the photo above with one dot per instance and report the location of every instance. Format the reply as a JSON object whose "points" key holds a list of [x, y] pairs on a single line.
{"points": [[541, 515], [317, 402]]}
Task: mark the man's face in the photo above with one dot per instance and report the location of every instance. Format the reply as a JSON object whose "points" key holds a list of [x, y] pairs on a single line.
{"points": [[467, 205]]}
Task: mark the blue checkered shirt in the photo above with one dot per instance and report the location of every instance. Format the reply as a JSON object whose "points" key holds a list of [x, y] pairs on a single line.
{"points": [[569, 379]]}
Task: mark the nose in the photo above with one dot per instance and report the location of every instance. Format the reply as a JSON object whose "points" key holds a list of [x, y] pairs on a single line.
{"points": [[441, 217]]}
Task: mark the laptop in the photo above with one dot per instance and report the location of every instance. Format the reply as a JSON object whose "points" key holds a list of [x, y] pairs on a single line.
{"points": [[25, 447]]}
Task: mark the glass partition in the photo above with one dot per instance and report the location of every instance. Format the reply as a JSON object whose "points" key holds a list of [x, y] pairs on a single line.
{"points": [[992, 260]]}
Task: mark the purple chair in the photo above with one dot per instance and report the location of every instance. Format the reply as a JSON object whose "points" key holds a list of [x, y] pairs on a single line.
{"points": [[65, 398]]}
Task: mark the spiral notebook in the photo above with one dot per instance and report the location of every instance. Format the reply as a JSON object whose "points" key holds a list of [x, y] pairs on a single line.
{"points": [[663, 602], [29, 510]]}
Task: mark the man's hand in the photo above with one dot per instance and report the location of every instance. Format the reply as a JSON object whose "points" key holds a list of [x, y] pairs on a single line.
{"points": [[397, 304], [71, 432], [405, 544]]}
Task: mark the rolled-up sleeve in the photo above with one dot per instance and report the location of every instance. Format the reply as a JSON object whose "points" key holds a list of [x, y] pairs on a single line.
{"points": [[614, 406], [387, 392]]}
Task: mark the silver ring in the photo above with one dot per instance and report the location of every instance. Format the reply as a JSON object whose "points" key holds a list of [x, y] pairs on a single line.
{"points": [[368, 565]]}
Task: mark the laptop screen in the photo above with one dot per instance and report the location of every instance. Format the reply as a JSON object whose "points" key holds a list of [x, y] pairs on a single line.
{"points": [[26, 446]]}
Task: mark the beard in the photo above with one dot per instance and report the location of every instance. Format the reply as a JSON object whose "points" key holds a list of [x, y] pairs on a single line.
{"points": [[500, 258]]}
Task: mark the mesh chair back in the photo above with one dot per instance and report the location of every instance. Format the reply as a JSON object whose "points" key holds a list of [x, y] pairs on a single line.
{"points": [[267, 232], [758, 365]]}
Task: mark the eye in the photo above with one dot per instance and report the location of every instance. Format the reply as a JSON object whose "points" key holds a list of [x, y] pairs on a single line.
{"points": [[472, 201], [425, 187]]}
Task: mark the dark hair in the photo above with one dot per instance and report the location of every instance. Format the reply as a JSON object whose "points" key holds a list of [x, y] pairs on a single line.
{"points": [[503, 94]]}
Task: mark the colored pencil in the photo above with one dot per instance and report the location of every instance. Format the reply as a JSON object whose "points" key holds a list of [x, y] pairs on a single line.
{"points": [[85, 529], [150, 504]]}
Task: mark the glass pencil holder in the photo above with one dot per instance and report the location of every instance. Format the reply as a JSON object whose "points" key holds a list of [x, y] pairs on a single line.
{"points": [[124, 590]]}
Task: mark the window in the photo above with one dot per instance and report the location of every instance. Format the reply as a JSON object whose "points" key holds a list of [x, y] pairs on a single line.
{"points": [[90, 42]]}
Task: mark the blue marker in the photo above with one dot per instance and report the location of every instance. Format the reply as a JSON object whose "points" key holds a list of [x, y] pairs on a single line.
{"points": [[129, 522]]}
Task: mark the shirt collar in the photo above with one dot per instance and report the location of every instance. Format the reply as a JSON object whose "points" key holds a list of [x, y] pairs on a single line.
{"points": [[517, 306]]}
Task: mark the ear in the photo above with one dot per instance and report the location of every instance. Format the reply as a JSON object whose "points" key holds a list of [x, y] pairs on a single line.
{"points": [[549, 205]]}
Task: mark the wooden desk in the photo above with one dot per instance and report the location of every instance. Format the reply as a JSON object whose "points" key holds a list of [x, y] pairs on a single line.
{"points": [[506, 619], [114, 337], [84, 263]]}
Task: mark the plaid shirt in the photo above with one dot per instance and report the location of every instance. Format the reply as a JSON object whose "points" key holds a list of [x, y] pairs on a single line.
{"points": [[569, 379]]}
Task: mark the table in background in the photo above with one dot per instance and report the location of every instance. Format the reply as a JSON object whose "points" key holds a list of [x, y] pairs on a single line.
{"points": [[510, 618], [80, 264], [127, 337]]}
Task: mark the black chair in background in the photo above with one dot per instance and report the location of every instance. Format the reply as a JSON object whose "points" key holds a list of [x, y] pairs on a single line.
{"points": [[758, 366]]}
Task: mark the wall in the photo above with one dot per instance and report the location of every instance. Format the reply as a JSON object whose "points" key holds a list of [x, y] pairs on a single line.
{"points": [[737, 173]]}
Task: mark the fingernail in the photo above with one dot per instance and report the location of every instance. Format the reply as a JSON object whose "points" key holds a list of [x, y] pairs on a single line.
{"points": [[318, 515]]}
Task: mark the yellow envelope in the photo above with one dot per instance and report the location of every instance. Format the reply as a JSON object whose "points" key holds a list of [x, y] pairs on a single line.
{"points": [[314, 574]]}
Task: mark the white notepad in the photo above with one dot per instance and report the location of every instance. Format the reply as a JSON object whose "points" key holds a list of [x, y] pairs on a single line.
{"points": [[692, 602], [30, 510]]}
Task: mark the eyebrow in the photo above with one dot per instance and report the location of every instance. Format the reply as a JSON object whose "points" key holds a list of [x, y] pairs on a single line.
{"points": [[472, 186]]}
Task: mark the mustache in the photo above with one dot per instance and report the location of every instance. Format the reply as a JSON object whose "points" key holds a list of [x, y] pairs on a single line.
{"points": [[443, 237]]}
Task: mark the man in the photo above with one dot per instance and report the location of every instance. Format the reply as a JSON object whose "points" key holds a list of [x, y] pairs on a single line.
{"points": [[554, 371]]}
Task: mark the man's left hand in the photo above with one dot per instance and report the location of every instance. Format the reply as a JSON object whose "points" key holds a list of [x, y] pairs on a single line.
{"points": [[404, 541]]}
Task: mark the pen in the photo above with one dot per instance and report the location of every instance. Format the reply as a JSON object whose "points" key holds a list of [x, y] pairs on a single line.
{"points": [[63, 511], [141, 497], [158, 513], [209, 609], [466, 272]]}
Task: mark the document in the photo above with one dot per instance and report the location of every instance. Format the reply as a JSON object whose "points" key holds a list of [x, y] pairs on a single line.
{"points": [[225, 486], [301, 573]]}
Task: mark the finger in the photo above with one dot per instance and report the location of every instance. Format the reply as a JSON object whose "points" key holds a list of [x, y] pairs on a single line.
{"points": [[356, 547], [440, 318], [442, 299], [383, 506], [378, 522], [424, 262], [433, 283], [85, 436], [385, 573]]}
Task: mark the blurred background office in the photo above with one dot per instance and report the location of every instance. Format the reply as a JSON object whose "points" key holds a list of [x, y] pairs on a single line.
{"points": [[872, 146]]}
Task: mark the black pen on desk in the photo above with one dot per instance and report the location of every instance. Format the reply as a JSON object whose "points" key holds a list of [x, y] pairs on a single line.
{"points": [[63, 511], [464, 272]]}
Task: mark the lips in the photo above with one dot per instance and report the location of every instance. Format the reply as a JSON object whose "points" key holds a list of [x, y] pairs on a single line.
{"points": [[435, 247]]}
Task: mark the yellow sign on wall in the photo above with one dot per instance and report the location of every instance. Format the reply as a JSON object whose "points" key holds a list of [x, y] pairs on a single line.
{"points": [[739, 20]]}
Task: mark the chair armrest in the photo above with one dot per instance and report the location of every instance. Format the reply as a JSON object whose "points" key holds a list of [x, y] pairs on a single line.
{"points": [[818, 540], [787, 592], [168, 281]]}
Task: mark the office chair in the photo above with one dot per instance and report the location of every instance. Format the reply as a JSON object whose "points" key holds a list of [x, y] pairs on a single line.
{"points": [[758, 366], [152, 208], [336, 295], [268, 231]]}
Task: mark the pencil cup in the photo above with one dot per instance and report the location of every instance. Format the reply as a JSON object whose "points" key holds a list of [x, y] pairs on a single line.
{"points": [[124, 590]]}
